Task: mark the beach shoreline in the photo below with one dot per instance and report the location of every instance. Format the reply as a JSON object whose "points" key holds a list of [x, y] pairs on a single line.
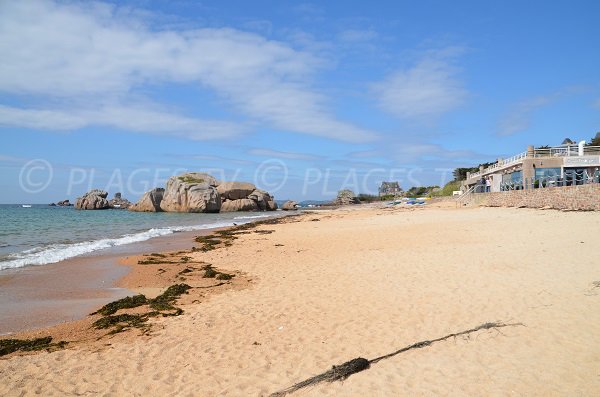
{"points": [[323, 288], [36, 297]]}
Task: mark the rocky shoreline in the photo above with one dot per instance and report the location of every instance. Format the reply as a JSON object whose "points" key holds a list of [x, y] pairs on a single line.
{"points": [[194, 192]]}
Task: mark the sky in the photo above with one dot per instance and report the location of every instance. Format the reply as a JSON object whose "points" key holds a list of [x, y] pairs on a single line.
{"points": [[302, 99]]}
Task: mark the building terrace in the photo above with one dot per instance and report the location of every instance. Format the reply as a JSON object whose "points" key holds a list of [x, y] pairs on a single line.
{"points": [[568, 164]]}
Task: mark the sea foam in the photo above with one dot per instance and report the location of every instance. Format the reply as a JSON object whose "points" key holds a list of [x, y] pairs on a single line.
{"points": [[58, 252]]}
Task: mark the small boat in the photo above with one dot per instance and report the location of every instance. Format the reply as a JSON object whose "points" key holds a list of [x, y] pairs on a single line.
{"points": [[26, 206]]}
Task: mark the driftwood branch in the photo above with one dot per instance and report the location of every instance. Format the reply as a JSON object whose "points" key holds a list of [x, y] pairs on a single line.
{"points": [[343, 371]]}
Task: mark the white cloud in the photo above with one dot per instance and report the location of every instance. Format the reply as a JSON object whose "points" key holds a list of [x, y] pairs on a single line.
{"points": [[282, 155], [428, 89], [94, 53], [134, 119]]}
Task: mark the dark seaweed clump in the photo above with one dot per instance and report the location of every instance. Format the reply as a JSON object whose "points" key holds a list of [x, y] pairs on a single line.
{"points": [[161, 305], [8, 346], [165, 301], [210, 272], [125, 303]]}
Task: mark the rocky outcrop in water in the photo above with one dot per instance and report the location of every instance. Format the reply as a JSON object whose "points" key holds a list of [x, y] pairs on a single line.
{"points": [[235, 190], [200, 192], [264, 200], [64, 203], [346, 197], [289, 205], [150, 201], [93, 200], [239, 205], [191, 192], [243, 196], [119, 202]]}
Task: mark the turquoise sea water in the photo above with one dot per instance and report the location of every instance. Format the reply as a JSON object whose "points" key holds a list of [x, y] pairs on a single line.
{"points": [[42, 234]]}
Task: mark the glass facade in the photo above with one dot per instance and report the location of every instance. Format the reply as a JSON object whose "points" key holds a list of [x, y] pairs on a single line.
{"points": [[547, 173]]}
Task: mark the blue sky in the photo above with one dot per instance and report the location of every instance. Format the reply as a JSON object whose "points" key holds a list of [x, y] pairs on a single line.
{"points": [[302, 99]]}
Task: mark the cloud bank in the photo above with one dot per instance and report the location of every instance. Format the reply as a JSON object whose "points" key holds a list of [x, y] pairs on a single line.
{"points": [[92, 63]]}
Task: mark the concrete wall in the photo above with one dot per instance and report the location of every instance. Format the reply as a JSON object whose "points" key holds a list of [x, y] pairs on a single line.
{"points": [[581, 198]]}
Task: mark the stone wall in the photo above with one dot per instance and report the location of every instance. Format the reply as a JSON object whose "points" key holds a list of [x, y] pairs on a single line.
{"points": [[581, 198]]}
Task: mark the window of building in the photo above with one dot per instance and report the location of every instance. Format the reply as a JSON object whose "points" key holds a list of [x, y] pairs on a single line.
{"points": [[547, 173]]}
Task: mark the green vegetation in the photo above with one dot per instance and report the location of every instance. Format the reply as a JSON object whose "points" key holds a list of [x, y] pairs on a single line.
{"points": [[189, 179], [595, 141], [8, 346], [447, 189], [420, 191], [460, 174]]}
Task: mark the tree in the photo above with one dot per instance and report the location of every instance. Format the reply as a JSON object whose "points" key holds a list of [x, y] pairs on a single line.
{"points": [[595, 141]]}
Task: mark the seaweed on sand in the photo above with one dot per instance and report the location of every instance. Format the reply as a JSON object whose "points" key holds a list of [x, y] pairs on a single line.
{"points": [[162, 305], [344, 370], [154, 261], [128, 302], [121, 320], [8, 346], [164, 301], [227, 236], [209, 243], [210, 272]]}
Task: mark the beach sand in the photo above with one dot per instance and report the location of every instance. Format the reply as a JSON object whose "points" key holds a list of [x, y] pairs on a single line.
{"points": [[328, 287]]}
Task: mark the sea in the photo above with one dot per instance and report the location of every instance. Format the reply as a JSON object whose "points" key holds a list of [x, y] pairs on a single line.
{"points": [[43, 234]]}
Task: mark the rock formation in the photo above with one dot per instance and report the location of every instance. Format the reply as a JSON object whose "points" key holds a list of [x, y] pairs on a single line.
{"points": [[93, 200], [264, 200], [244, 204], [191, 192], [200, 192], [119, 202], [243, 196], [235, 190], [150, 201], [289, 205], [346, 197], [64, 203]]}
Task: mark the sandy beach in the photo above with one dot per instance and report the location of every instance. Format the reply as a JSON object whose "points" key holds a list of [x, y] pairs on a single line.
{"points": [[327, 287]]}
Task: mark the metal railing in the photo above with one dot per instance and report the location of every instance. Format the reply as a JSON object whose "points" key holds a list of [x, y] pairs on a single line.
{"points": [[566, 151], [559, 151], [570, 178], [501, 164], [463, 197]]}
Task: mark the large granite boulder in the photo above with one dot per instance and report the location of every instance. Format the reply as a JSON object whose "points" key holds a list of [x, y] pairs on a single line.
{"points": [[235, 190], [289, 205], [264, 200], [191, 192], [239, 205], [93, 200], [150, 201], [346, 197], [119, 202]]}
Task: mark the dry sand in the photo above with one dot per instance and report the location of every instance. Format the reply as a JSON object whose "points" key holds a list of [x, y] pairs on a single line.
{"points": [[365, 283]]}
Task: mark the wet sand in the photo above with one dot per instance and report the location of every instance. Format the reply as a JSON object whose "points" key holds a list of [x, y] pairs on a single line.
{"points": [[41, 296]]}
